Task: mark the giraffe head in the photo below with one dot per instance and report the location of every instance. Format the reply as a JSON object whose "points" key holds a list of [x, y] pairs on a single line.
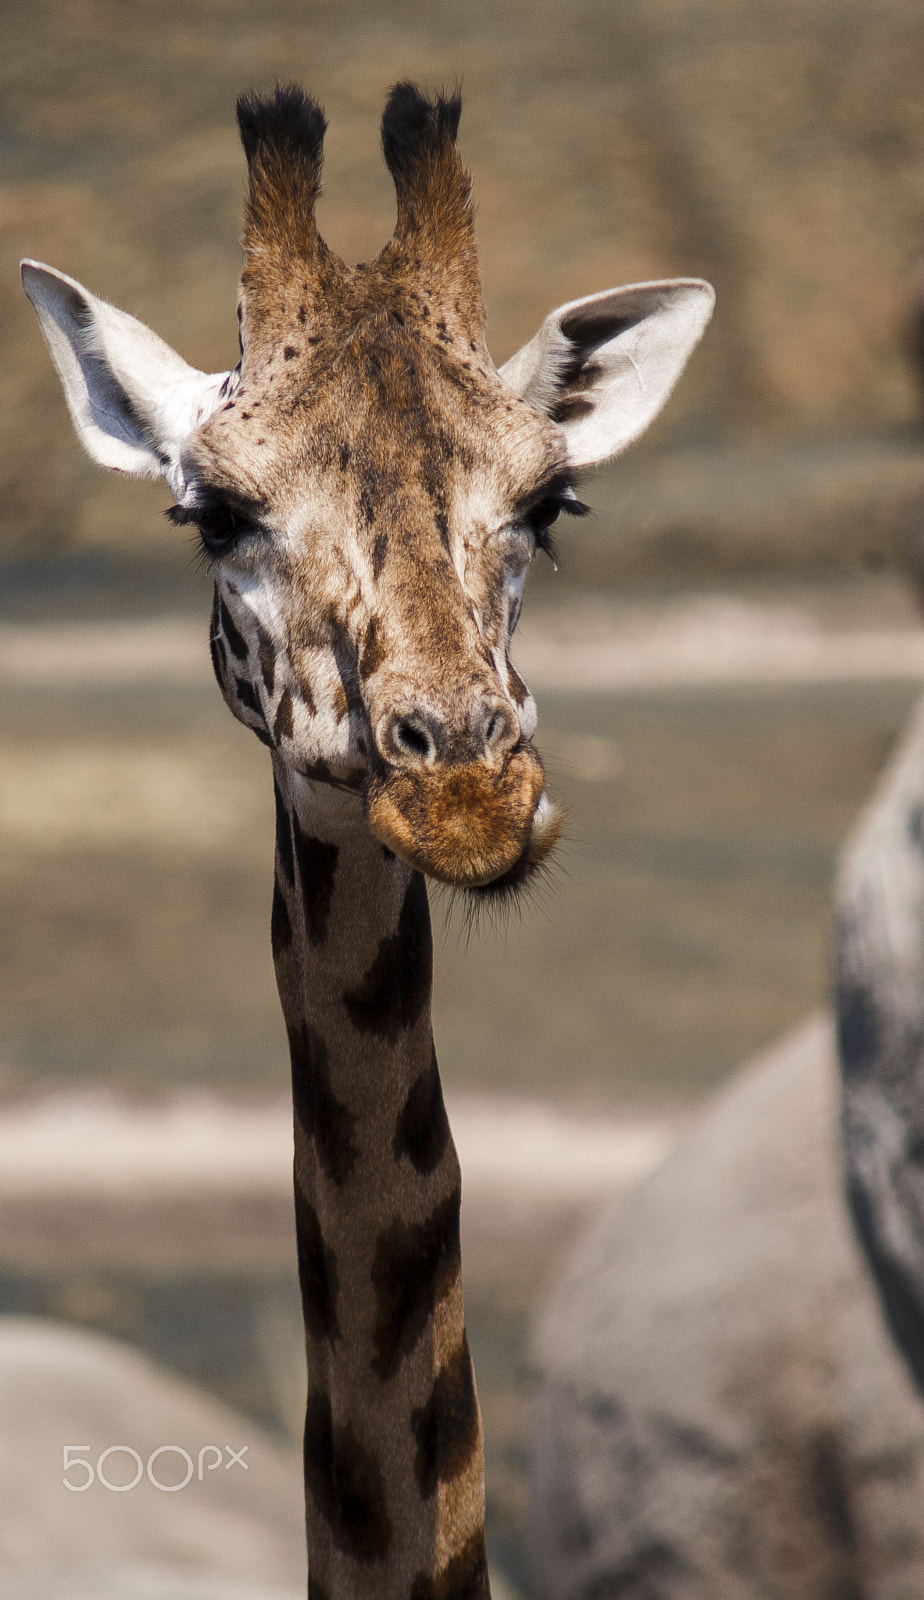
{"points": [[369, 488]]}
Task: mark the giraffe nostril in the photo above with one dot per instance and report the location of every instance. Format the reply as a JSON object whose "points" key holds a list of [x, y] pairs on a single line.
{"points": [[414, 741], [499, 728], [407, 739], [494, 727]]}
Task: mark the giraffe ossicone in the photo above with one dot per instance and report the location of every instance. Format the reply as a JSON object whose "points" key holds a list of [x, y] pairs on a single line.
{"points": [[370, 491]]}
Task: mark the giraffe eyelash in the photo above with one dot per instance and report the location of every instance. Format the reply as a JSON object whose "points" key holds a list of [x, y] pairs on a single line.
{"points": [[220, 525], [540, 517]]}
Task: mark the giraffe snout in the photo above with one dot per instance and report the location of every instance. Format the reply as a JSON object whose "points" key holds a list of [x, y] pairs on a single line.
{"points": [[419, 737], [471, 825]]}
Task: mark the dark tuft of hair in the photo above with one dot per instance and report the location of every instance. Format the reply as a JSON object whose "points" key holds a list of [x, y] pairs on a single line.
{"points": [[415, 128], [435, 228], [282, 135], [287, 123]]}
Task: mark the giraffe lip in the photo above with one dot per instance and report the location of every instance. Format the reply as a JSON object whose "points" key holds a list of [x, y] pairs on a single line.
{"points": [[466, 826], [544, 836]]}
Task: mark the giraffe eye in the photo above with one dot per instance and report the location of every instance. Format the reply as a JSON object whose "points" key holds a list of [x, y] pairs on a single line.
{"points": [[539, 520], [220, 525], [220, 528], [544, 515]]}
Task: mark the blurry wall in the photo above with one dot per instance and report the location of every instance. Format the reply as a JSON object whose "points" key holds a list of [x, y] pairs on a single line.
{"points": [[775, 147]]}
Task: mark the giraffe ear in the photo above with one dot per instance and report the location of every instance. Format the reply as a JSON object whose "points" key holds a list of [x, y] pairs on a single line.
{"points": [[603, 367], [132, 399]]}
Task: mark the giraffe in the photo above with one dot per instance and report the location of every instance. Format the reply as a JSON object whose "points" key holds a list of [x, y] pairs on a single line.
{"points": [[370, 490]]}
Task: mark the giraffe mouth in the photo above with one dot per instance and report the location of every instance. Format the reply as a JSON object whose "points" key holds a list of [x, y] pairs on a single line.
{"points": [[544, 835], [468, 826]]}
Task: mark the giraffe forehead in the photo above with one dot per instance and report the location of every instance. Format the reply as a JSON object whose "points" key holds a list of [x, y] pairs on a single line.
{"points": [[375, 409]]}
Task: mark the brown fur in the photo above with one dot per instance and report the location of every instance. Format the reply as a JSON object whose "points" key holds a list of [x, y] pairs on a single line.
{"points": [[465, 826], [389, 454], [394, 1462], [294, 290]]}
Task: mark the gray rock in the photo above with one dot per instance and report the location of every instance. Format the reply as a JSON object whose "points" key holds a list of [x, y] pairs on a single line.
{"points": [[722, 1411], [62, 1387]]}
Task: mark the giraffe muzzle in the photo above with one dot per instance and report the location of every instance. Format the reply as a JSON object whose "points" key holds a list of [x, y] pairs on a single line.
{"points": [[417, 736], [469, 826]]}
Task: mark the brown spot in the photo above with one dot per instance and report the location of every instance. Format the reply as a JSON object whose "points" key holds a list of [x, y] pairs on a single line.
{"points": [[341, 703], [280, 922], [570, 407], [445, 1429], [422, 1129], [282, 725], [267, 657], [317, 869], [248, 697], [320, 772], [413, 1266], [465, 1577], [373, 652], [236, 640], [290, 352], [345, 1482], [379, 551], [284, 838], [518, 689], [317, 1273], [321, 1116], [585, 378], [395, 990]]}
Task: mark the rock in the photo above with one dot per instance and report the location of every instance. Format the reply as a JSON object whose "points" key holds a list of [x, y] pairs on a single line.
{"points": [[236, 1533], [722, 1413]]}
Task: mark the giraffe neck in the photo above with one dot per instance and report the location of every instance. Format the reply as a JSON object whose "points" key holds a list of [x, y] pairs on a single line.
{"points": [[394, 1468]]}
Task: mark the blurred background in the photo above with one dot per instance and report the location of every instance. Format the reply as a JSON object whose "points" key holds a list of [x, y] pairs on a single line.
{"points": [[722, 662]]}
